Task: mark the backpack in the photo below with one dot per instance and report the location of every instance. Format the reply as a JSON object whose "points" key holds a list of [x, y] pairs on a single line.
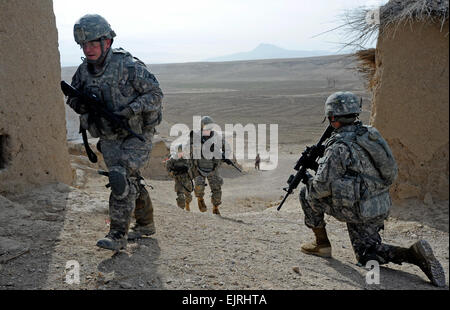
{"points": [[370, 139], [370, 192]]}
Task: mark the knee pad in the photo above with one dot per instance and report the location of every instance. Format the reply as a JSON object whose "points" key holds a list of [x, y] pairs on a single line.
{"points": [[119, 184]]}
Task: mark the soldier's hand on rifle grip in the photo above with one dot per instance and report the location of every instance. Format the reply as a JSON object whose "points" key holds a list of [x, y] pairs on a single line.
{"points": [[78, 106], [314, 166], [306, 177], [126, 112], [320, 151]]}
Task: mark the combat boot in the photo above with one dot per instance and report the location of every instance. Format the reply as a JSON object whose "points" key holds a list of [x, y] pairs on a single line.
{"points": [[181, 204], [114, 241], [139, 231], [421, 254], [321, 247], [201, 205], [187, 207], [216, 210]]}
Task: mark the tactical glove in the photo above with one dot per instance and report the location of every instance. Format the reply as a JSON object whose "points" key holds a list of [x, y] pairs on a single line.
{"points": [[307, 176], [126, 112], [78, 106], [320, 150]]}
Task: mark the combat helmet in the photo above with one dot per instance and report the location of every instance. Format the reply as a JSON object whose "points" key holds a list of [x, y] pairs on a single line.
{"points": [[92, 27], [342, 103], [180, 147], [206, 120]]}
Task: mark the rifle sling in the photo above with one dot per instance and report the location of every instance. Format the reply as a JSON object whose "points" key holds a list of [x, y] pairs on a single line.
{"points": [[91, 155]]}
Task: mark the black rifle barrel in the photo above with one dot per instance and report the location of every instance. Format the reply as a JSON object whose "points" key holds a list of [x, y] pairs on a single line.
{"points": [[293, 185], [104, 173], [304, 163], [229, 162]]}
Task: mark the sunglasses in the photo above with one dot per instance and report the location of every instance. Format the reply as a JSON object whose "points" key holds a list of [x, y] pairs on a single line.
{"points": [[91, 44]]}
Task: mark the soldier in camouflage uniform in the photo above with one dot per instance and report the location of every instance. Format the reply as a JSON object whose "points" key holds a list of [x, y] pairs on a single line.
{"points": [[350, 186], [179, 169], [203, 168], [257, 162], [133, 93]]}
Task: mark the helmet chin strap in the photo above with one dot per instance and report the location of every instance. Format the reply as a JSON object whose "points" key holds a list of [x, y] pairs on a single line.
{"points": [[101, 58]]}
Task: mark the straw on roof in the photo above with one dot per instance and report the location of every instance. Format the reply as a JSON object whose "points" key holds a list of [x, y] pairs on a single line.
{"points": [[397, 11], [366, 65], [358, 32]]}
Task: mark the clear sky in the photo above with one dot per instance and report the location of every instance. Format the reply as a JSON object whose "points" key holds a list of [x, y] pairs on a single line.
{"points": [[168, 31]]}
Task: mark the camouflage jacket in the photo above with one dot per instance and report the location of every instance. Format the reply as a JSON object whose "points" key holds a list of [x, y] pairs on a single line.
{"points": [[123, 81], [203, 165], [176, 166], [348, 176]]}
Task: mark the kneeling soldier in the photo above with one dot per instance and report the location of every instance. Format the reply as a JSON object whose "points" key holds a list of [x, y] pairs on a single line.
{"points": [[352, 184]]}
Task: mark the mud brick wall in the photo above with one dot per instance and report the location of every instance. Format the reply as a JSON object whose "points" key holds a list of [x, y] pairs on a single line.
{"points": [[411, 106], [33, 146]]}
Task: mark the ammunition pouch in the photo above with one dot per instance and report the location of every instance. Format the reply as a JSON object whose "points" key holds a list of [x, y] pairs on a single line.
{"points": [[353, 194], [346, 191], [376, 205]]}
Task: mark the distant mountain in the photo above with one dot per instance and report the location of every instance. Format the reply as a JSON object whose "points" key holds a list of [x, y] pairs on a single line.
{"points": [[269, 51]]}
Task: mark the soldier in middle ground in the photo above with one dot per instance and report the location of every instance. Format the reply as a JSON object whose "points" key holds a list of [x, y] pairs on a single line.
{"points": [[257, 162], [179, 169], [203, 168]]}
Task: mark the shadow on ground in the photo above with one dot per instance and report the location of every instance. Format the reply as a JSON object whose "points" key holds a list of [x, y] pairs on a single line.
{"points": [[135, 269], [30, 226]]}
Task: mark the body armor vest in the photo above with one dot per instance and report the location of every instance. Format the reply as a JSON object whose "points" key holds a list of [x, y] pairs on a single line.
{"points": [[112, 84]]}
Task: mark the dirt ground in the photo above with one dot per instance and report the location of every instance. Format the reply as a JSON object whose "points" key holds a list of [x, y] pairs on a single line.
{"points": [[250, 246]]}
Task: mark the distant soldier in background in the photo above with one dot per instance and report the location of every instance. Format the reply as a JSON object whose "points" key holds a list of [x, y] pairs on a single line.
{"points": [[352, 184], [203, 168], [257, 162], [131, 92], [179, 169]]}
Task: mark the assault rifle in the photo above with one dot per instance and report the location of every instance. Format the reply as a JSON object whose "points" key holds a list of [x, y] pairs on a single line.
{"points": [[305, 162], [97, 108], [229, 162], [106, 174]]}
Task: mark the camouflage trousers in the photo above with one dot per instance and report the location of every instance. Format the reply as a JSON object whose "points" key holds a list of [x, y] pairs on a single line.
{"points": [[183, 188], [364, 234], [215, 183], [126, 157]]}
